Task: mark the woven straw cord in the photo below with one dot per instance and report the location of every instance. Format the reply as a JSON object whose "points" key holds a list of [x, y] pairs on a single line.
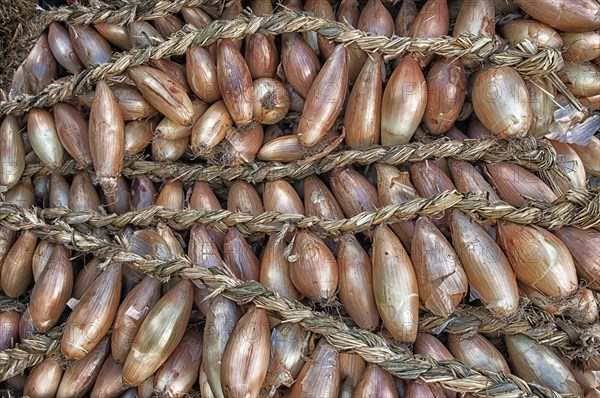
{"points": [[531, 153], [119, 13], [369, 346], [577, 208], [544, 62]]}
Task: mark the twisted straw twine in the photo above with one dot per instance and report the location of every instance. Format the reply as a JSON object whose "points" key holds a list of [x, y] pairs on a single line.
{"points": [[120, 13], [544, 62], [373, 348], [529, 152], [577, 208]]}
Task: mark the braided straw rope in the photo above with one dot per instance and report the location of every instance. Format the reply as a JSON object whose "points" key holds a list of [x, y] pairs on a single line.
{"points": [[543, 63], [119, 13], [373, 348], [528, 152], [577, 208]]}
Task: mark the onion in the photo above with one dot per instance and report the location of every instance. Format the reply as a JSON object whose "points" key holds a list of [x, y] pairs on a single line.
{"points": [[325, 99], [566, 15], [501, 102], [446, 88], [235, 82], [404, 102], [271, 101], [581, 47]]}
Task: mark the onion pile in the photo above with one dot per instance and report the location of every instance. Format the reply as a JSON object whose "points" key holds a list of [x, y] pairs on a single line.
{"points": [[283, 99]]}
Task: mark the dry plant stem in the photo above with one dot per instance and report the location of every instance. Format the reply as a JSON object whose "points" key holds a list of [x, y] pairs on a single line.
{"points": [[30, 352], [542, 63], [533, 154], [11, 304], [577, 208], [373, 348], [98, 11]]}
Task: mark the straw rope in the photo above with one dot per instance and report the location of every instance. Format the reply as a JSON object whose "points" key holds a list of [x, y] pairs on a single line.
{"points": [[544, 62], [29, 352], [371, 347], [577, 208], [11, 304], [120, 13], [531, 153]]}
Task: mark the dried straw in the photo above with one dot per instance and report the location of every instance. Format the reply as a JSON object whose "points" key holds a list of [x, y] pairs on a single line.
{"points": [[543, 63], [121, 14], [373, 348], [577, 208], [529, 152]]}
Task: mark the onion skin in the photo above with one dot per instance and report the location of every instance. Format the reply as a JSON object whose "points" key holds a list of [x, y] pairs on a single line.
{"points": [[541, 94], [446, 88], [527, 29], [394, 286], [43, 137], [275, 270], [201, 71], [116, 34], [354, 193], [569, 16], [394, 187], [288, 353], [376, 382], [235, 83], [362, 118], [421, 390], [320, 375], [488, 270], [501, 102], [163, 93], [81, 375], [62, 48], [280, 196], [179, 373], [405, 18], [107, 136], [478, 352], [476, 17], [261, 55], [91, 319], [12, 154], [404, 103], [109, 382], [221, 319], [52, 290], [356, 283], [142, 34], [153, 343], [431, 21], [325, 99], [516, 185], [590, 156], [348, 12], [583, 244], [210, 128], [315, 273], [540, 259], [319, 201], [72, 129], [442, 280], [130, 315], [375, 18], [539, 364], [91, 48], [39, 69], [466, 178], [299, 62], [282, 149], [132, 103], [240, 257], [246, 356], [9, 334], [571, 165], [271, 101], [16, 268], [581, 79], [581, 47], [243, 197], [44, 379]]}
